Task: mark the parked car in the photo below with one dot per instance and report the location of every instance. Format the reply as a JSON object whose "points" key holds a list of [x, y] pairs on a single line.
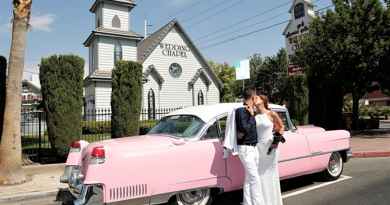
{"points": [[180, 161]]}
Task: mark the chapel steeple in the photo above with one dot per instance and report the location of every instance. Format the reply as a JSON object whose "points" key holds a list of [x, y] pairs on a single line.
{"points": [[112, 14]]}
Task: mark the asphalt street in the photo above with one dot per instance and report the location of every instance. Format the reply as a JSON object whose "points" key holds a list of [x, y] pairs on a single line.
{"points": [[364, 182], [369, 185]]}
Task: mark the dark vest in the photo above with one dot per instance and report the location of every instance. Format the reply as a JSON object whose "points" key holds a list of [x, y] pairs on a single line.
{"points": [[246, 127]]}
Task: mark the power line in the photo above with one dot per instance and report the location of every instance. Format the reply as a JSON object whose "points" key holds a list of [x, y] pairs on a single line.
{"points": [[219, 3], [196, 3], [243, 35], [243, 20], [252, 32], [246, 26], [189, 6], [217, 12]]}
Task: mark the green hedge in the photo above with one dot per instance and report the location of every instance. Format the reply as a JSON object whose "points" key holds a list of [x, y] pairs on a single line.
{"points": [[126, 98], [375, 111], [103, 127], [62, 91]]}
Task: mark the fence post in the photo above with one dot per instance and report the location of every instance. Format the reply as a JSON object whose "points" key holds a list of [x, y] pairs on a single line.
{"points": [[40, 136]]}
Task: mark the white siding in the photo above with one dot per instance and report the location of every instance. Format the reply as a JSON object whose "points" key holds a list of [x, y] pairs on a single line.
{"points": [[175, 91], [106, 52], [213, 95], [89, 97], [103, 95], [109, 11]]}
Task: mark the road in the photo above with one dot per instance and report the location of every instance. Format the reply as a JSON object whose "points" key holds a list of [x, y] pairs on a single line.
{"points": [[364, 182], [369, 185]]}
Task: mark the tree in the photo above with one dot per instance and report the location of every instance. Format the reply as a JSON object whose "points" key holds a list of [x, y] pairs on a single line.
{"points": [[11, 171], [384, 63], [295, 93], [126, 98], [226, 74], [3, 79], [341, 53], [270, 75], [62, 92]]}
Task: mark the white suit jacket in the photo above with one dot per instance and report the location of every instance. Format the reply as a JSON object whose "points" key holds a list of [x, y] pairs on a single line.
{"points": [[230, 142]]}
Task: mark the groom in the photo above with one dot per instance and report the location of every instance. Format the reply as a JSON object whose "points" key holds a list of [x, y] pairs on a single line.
{"points": [[247, 151]]}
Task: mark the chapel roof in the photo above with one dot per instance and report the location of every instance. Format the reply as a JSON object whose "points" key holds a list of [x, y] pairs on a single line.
{"points": [[128, 3], [112, 33], [147, 46]]}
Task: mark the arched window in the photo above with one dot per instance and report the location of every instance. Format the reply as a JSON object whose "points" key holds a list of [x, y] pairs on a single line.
{"points": [[116, 22], [151, 105], [299, 10], [200, 98], [117, 52]]}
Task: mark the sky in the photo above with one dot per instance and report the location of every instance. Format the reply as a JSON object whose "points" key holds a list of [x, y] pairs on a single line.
{"points": [[61, 26]]}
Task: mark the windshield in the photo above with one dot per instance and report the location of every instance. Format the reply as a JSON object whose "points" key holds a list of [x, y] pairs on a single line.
{"points": [[183, 126]]}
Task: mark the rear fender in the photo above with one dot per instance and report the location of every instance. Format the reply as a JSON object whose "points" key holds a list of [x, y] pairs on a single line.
{"points": [[75, 157]]}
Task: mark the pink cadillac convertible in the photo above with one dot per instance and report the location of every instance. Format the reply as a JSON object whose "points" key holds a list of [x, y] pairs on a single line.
{"points": [[180, 161]]}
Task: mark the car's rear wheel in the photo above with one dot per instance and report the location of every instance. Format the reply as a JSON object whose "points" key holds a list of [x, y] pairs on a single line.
{"points": [[94, 196], [194, 197], [335, 167]]}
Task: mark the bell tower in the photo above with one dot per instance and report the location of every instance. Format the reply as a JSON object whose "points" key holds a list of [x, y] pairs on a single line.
{"points": [[112, 14], [112, 40], [301, 14]]}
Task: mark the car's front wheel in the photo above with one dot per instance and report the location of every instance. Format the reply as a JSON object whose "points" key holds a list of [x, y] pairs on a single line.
{"points": [[194, 197], [335, 167]]}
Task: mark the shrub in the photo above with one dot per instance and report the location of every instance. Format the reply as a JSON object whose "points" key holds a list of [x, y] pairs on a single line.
{"points": [[126, 98], [62, 92], [104, 127], [95, 127]]}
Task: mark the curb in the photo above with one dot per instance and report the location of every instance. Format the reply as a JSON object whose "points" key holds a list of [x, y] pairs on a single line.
{"points": [[27, 196], [370, 154]]}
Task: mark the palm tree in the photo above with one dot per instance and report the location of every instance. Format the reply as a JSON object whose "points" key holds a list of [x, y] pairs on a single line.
{"points": [[11, 149]]}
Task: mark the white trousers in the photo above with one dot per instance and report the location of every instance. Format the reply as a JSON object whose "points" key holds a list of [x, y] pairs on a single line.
{"points": [[249, 156]]}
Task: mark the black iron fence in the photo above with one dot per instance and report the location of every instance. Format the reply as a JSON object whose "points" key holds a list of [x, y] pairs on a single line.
{"points": [[96, 126]]}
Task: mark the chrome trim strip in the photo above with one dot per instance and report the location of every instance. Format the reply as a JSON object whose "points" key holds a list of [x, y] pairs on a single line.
{"points": [[314, 154]]}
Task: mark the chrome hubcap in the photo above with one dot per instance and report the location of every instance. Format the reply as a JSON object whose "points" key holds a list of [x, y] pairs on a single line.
{"points": [[193, 197], [335, 164]]}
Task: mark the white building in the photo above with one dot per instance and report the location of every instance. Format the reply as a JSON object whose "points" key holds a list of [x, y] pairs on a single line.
{"points": [[175, 72], [302, 13]]}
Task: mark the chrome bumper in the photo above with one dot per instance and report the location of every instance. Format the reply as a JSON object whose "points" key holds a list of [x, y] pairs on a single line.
{"points": [[349, 155], [71, 196]]}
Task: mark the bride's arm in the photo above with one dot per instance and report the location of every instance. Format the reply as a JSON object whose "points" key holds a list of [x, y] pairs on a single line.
{"points": [[278, 123]]}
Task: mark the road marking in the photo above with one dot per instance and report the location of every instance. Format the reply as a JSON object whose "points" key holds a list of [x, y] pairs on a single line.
{"points": [[342, 178]]}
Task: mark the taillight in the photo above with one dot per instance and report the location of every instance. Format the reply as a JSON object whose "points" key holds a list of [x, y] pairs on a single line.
{"points": [[75, 146], [98, 155]]}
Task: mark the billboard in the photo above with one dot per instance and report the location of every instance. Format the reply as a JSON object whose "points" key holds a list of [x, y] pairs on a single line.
{"points": [[242, 70]]}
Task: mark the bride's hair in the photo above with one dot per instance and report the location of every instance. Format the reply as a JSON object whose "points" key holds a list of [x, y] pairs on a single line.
{"points": [[265, 101]]}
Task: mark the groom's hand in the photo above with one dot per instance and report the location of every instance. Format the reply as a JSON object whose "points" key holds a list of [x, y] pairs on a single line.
{"points": [[250, 110]]}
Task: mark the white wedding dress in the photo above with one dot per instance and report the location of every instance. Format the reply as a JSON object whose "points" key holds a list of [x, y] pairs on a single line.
{"points": [[268, 164]]}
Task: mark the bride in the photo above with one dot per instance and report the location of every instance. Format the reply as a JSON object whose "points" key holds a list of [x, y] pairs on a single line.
{"points": [[268, 122]]}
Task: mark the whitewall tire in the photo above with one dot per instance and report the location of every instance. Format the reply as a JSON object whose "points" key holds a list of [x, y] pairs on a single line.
{"points": [[194, 197], [335, 167]]}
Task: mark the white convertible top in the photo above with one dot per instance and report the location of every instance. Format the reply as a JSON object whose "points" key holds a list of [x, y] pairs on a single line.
{"points": [[209, 112]]}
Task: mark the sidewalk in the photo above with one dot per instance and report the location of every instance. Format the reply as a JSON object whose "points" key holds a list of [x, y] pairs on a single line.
{"points": [[43, 181], [371, 145]]}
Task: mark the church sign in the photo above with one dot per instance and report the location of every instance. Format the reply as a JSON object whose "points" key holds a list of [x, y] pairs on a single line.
{"points": [[174, 50]]}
